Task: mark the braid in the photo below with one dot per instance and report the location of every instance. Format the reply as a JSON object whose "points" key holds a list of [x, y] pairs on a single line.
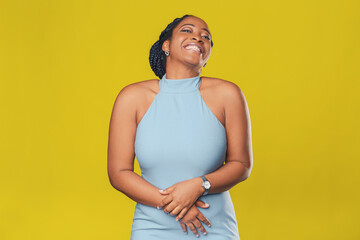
{"points": [[157, 56], [156, 59]]}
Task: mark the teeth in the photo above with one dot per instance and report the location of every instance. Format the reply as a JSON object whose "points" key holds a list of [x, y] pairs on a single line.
{"points": [[193, 47]]}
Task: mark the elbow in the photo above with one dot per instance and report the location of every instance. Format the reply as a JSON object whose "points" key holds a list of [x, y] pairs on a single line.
{"points": [[115, 179], [246, 175], [112, 181], [246, 170]]}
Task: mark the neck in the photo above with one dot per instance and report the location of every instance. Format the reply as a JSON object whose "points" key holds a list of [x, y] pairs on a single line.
{"points": [[180, 71]]}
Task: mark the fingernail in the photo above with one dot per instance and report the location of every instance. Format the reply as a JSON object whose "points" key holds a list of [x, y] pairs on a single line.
{"points": [[205, 233], [197, 235], [206, 204], [158, 207], [177, 219], [209, 225]]}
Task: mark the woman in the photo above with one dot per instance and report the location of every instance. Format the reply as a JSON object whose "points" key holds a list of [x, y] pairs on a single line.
{"points": [[182, 128]]}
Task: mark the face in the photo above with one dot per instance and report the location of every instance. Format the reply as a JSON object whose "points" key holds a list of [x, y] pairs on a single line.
{"points": [[190, 30]]}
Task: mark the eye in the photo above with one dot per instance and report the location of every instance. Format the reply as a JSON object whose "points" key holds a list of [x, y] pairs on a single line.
{"points": [[184, 30]]}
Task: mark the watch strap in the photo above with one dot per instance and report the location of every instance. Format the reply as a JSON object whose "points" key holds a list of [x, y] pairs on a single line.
{"points": [[206, 190]]}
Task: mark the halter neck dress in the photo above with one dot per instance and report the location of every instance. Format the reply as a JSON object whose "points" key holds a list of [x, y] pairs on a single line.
{"points": [[179, 138]]}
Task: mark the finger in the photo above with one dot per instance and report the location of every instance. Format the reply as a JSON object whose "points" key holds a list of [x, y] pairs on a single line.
{"points": [[182, 214], [198, 202], [171, 206], [202, 218], [165, 201], [163, 191], [176, 211], [193, 229], [183, 226], [199, 226], [166, 191], [201, 204]]}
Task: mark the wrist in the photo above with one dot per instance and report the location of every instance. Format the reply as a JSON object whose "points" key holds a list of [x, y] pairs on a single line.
{"points": [[201, 188], [206, 185]]}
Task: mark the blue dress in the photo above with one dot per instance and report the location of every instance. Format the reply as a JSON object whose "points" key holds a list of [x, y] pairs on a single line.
{"points": [[179, 138]]}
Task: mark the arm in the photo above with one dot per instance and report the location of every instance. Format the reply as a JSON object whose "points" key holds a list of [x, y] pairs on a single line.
{"points": [[238, 163], [121, 154], [239, 160]]}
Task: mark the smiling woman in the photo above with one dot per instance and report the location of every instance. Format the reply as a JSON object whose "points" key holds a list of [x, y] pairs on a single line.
{"points": [[158, 59], [191, 136]]}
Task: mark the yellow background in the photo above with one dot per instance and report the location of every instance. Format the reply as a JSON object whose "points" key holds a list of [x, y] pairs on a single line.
{"points": [[62, 63]]}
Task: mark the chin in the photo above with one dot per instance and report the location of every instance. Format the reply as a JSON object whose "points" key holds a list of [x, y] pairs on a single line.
{"points": [[193, 61], [193, 64]]}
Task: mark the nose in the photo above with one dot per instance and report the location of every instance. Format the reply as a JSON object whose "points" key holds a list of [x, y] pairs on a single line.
{"points": [[197, 38]]}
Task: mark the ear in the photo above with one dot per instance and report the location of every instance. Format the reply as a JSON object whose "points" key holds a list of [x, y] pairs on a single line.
{"points": [[165, 45]]}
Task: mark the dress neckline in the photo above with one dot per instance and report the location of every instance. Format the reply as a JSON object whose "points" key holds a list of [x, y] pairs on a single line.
{"points": [[179, 85]]}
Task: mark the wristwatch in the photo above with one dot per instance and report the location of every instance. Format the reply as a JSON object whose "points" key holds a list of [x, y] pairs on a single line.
{"points": [[206, 184]]}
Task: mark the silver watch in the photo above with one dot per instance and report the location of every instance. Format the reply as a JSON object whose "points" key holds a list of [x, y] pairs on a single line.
{"points": [[206, 184]]}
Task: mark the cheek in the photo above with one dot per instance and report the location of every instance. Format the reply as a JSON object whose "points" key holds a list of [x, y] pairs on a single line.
{"points": [[176, 46], [209, 51]]}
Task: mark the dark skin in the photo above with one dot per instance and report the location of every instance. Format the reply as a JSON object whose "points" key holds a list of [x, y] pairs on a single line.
{"points": [[181, 199]]}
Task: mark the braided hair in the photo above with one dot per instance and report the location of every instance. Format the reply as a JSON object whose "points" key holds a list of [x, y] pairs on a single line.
{"points": [[157, 56]]}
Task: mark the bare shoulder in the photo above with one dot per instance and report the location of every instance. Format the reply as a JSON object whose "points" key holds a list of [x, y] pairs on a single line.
{"points": [[230, 95], [133, 95], [224, 88], [137, 89]]}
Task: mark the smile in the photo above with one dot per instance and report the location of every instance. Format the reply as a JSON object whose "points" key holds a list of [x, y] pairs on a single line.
{"points": [[194, 47], [194, 50]]}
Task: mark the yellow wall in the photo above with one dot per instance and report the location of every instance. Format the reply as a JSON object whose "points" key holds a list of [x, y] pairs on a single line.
{"points": [[62, 63]]}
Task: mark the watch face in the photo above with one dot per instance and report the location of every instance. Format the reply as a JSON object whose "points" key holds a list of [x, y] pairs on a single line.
{"points": [[207, 185]]}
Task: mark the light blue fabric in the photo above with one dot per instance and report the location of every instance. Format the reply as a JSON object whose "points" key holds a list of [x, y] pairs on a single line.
{"points": [[179, 138]]}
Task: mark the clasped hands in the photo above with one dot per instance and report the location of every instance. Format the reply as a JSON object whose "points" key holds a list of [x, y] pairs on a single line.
{"points": [[179, 200]]}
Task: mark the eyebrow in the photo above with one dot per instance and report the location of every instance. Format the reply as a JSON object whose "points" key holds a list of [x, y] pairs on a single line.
{"points": [[194, 26]]}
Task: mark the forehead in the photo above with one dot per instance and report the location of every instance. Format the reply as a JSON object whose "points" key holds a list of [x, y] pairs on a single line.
{"points": [[197, 22]]}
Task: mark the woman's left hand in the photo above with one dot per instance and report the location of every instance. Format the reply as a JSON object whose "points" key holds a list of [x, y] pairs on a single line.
{"points": [[181, 196]]}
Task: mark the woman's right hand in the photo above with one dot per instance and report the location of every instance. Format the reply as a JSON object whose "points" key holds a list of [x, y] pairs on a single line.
{"points": [[192, 217]]}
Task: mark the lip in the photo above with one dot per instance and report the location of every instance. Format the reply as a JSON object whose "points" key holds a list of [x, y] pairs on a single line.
{"points": [[199, 46]]}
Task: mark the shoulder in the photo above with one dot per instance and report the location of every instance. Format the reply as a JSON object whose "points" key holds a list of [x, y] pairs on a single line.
{"points": [[133, 93], [136, 89], [227, 90]]}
